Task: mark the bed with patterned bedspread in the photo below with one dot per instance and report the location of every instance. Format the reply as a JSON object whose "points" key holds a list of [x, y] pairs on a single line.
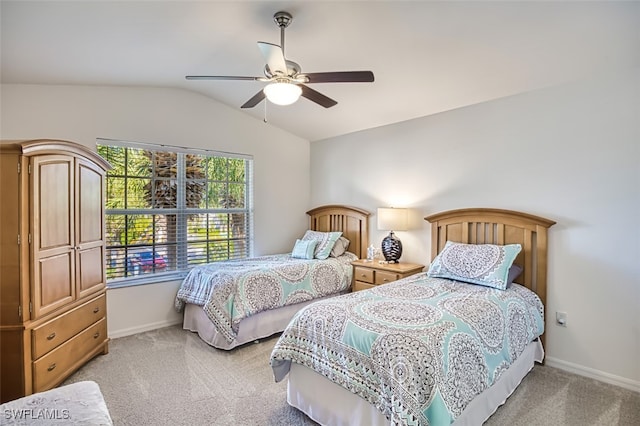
{"points": [[419, 349], [234, 290]]}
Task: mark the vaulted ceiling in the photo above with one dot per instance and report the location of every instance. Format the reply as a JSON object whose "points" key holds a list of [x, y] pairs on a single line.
{"points": [[427, 57]]}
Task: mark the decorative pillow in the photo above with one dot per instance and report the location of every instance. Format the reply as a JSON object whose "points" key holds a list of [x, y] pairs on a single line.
{"points": [[483, 264], [326, 241], [514, 272], [340, 247], [304, 249]]}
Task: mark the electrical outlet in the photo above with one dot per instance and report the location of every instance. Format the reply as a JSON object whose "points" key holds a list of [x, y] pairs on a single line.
{"points": [[561, 319]]}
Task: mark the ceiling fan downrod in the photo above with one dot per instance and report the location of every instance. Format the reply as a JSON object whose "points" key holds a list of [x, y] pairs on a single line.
{"points": [[282, 20]]}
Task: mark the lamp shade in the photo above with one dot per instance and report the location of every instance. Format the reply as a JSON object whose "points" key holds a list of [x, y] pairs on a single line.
{"points": [[392, 219], [281, 93]]}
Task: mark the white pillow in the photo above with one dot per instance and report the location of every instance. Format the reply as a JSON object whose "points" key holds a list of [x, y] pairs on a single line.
{"points": [[304, 249]]}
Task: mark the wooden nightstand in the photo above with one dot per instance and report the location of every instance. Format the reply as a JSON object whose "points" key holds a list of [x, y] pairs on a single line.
{"points": [[371, 274]]}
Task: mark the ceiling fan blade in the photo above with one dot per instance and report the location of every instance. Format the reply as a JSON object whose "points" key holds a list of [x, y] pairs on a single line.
{"points": [[221, 77], [317, 97], [274, 57], [255, 100], [340, 77]]}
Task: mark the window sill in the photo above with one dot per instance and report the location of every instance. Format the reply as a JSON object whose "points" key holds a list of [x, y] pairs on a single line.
{"points": [[147, 279]]}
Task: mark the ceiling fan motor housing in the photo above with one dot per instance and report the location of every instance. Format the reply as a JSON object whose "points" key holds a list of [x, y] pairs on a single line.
{"points": [[293, 69]]}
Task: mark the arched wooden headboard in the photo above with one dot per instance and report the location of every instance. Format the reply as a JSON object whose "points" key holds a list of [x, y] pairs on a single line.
{"points": [[496, 226], [351, 221]]}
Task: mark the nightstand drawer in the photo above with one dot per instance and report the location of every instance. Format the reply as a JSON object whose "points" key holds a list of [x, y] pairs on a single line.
{"points": [[384, 277], [363, 274], [359, 285]]}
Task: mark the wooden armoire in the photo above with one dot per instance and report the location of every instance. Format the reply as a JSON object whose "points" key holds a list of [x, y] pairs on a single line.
{"points": [[52, 263]]}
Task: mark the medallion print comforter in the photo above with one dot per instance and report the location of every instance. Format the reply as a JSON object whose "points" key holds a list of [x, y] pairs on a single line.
{"points": [[233, 290], [419, 349]]}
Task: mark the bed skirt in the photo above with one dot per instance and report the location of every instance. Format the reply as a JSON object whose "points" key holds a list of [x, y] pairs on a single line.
{"points": [[255, 327], [330, 404]]}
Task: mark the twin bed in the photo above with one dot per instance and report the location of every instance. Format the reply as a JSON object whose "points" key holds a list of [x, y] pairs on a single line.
{"points": [[425, 350], [428, 349], [228, 305]]}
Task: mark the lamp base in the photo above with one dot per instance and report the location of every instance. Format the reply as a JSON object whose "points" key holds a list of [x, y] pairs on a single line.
{"points": [[391, 248]]}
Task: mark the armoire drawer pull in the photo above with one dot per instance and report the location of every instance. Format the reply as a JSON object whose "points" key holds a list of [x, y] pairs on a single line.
{"points": [[51, 336], [96, 310], [51, 367], [95, 336]]}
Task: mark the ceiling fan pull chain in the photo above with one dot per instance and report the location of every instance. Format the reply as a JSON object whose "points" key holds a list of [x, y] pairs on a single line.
{"points": [[265, 111]]}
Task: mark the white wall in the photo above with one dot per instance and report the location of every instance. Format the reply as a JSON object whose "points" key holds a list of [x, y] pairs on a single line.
{"points": [[570, 154], [172, 117]]}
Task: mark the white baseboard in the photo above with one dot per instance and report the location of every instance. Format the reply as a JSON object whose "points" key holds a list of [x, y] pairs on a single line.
{"points": [[142, 328], [580, 370]]}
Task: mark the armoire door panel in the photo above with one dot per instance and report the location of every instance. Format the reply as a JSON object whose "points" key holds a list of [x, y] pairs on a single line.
{"points": [[53, 201], [90, 270], [89, 205], [55, 276]]}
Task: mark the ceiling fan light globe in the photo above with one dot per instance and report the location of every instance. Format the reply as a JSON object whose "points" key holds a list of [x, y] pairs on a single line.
{"points": [[282, 93]]}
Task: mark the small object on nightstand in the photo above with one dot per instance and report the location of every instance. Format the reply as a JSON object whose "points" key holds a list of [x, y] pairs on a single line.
{"points": [[370, 274], [371, 253]]}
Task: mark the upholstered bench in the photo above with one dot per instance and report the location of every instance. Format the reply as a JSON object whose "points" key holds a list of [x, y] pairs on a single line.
{"points": [[79, 403]]}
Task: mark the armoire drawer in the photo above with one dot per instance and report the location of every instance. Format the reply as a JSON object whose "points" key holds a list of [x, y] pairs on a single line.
{"points": [[49, 370], [57, 331]]}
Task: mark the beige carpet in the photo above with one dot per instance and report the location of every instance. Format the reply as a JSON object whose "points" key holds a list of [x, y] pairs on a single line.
{"points": [[171, 377]]}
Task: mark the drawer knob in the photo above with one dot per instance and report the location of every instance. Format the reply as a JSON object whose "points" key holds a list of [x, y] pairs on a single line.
{"points": [[51, 367], [95, 336], [51, 336], [96, 310]]}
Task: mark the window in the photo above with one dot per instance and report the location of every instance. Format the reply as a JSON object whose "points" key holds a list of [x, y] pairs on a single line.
{"points": [[169, 209]]}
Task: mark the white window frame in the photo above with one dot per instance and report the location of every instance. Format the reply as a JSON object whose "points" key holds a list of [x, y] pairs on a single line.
{"points": [[180, 266]]}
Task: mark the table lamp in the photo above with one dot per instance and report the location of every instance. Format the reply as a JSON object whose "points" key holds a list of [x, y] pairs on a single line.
{"points": [[392, 219]]}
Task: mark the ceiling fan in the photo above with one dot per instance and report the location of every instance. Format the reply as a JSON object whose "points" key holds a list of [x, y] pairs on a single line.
{"points": [[286, 80]]}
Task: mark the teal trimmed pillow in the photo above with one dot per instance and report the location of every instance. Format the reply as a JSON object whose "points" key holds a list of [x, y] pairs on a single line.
{"points": [[483, 264], [326, 241], [304, 249]]}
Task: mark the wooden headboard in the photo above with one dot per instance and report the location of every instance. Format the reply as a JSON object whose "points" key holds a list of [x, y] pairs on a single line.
{"points": [[495, 226], [353, 222]]}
